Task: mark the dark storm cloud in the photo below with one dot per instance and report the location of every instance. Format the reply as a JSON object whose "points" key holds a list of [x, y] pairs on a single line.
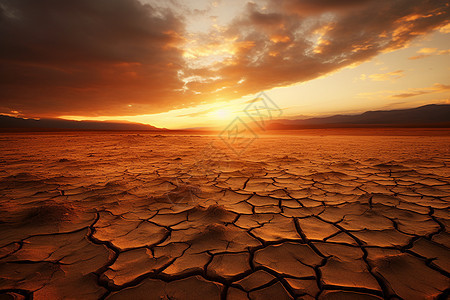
{"points": [[87, 56], [318, 6], [102, 57]]}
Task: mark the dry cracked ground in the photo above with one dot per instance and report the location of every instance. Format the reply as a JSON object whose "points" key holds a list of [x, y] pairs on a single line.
{"points": [[128, 216]]}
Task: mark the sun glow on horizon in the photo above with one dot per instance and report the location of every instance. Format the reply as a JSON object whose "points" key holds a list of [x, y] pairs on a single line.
{"points": [[222, 114]]}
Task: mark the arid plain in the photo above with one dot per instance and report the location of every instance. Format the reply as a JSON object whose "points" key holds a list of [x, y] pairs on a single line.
{"points": [[149, 216]]}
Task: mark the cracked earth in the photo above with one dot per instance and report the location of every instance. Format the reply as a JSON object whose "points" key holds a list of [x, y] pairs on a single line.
{"points": [[127, 216]]}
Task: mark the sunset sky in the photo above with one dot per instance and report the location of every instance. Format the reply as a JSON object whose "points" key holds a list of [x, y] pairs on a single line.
{"points": [[185, 64]]}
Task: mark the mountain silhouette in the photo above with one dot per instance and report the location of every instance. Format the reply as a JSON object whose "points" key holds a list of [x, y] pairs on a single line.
{"points": [[8, 123], [432, 115]]}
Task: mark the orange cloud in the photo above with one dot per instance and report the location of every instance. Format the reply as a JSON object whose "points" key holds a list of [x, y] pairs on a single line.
{"points": [[445, 28], [426, 52], [280, 38], [436, 88], [387, 76]]}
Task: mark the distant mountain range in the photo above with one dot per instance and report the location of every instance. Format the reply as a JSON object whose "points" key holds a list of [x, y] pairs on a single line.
{"points": [[433, 115], [8, 123]]}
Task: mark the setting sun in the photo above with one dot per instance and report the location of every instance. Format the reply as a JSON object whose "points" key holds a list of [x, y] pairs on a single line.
{"points": [[222, 114]]}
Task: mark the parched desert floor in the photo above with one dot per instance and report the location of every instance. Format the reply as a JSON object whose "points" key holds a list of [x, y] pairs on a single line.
{"points": [[147, 216]]}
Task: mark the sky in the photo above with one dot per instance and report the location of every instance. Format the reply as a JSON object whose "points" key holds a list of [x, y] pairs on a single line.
{"points": [[186, 64]]}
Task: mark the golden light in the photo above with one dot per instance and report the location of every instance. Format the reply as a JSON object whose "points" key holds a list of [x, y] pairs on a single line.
{"points": [[220, 115]]}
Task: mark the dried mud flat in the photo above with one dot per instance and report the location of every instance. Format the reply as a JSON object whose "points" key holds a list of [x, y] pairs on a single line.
{"points": [[127, 216]]}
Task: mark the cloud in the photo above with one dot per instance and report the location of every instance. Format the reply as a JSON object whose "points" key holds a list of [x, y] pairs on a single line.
{"points": [[307, 7], [445, 28], [88, 57], [436, 88], [426, 52], [326, 39], [387, 76], [199, 113], [102, 57], [401, 94]]}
